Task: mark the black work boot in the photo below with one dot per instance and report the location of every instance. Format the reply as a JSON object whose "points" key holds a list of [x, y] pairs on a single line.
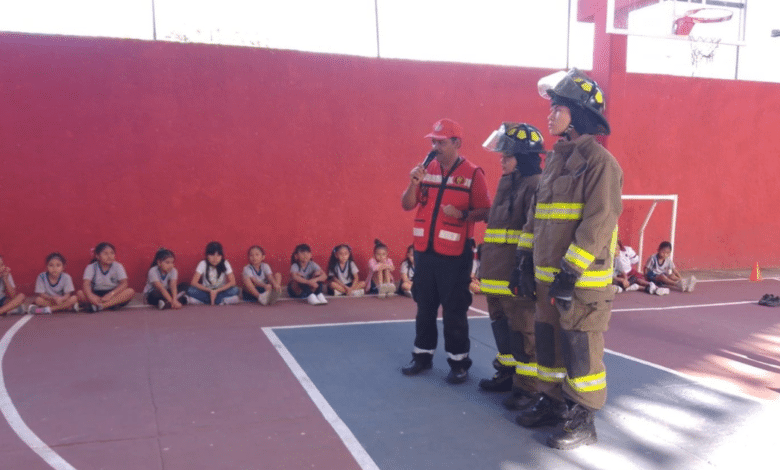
{"points": [[519, 399], [578, 430], [459, 371], [420, 362], [544, 411], [500, 382]]}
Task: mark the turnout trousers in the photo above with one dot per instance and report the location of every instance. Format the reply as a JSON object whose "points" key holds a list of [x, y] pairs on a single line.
{"points": [[443, 280], [570, 346], [513, 328]]}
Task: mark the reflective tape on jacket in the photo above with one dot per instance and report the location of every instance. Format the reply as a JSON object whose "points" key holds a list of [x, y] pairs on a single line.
{"points": [[502, 236], [495, 287], [549, 374], [590, 279], [577, 256], [589, 383], [559, 210], [526, 240]]}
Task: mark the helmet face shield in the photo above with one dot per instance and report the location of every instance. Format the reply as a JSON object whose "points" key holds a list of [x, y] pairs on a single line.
{"points": [[513, 139], [549, 82], [498, 141]]}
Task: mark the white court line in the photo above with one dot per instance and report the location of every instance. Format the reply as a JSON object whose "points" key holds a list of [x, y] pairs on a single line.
{"points": [[12, 415], [678, 307], [350, 441]]}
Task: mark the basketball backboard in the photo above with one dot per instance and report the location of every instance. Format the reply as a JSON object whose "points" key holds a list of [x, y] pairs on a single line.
{"points": [[715, 20]]}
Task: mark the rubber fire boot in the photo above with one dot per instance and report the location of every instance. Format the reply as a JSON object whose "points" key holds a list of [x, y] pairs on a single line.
{"points": [[578, 429], [420, 362], [500, 382], [519, 399], [543, 412]]}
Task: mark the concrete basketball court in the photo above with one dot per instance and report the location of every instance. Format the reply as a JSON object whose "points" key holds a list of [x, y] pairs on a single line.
{"points": [[693, 384]]}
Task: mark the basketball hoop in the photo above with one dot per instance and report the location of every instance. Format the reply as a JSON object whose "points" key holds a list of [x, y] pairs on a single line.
{"points": [[702, 47], [683, 26]]}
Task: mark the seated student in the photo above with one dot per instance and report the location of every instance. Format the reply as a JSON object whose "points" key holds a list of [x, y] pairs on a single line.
{"points": [[661, 271], [54, 288], [626, 277], [10, 300], [343, 273]]}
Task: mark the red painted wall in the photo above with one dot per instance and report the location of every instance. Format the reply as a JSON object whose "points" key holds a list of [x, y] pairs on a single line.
{"points": [[146, 144]]}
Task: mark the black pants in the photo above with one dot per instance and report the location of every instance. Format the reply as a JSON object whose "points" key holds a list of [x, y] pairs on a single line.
{"points": [[442, 280]]}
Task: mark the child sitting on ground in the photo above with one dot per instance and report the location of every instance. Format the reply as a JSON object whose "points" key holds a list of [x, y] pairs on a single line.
{"points": [[343, 273], [54, 288], [661, 271], [626, 277], [308, 279], [261, 284], [380, 272], [10, 300], [407, 273], [105, 282]]}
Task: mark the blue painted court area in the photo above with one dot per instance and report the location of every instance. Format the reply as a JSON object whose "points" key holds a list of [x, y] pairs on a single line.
{"points": [[654, 418]]}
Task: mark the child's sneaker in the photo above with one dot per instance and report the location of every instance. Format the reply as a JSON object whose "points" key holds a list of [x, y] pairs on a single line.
{"points": [[161, 304], [95, 308], [408, 293], [691, 283], [662, 291], [617, 289], [192, 300], [633, 287], [358, 293], [651, 288], [233, 299], [337, 293], [312, 299], [263, 298], [321, 299], [76, 307]]}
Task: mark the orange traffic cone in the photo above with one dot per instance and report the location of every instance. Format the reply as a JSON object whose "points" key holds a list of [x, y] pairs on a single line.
{"points": [[756, 274]]}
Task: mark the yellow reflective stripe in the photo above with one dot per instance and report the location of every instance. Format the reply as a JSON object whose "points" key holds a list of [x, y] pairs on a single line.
{"points": [[589, 383], [559, 210], [548, 374], [526, 240], [594, 279], [588, 279], [495, 286], [506, 359], [502, 235], [527, 369], [578, 257], [495, 235]]}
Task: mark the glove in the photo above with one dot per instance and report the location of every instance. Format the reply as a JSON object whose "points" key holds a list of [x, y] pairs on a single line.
{"points": [[521, 281], [562, 287]]}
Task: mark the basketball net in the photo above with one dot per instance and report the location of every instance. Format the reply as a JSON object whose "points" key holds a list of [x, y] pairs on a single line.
{"points": [[702, 50]]}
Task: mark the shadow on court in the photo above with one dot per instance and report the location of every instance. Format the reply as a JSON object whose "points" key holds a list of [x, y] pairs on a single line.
{"points": [[654, 419]]}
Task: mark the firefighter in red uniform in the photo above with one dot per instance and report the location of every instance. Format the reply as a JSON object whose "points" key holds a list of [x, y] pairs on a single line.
{"points": [[512, 318], [565, 257], [450, 194]]}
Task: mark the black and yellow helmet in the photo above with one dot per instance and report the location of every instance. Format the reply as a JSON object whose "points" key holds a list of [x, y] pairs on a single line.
{"points": [[575, 89], [515, 139]]}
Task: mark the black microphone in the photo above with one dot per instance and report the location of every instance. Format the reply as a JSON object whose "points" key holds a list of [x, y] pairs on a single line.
{"points": [[431, 155]]}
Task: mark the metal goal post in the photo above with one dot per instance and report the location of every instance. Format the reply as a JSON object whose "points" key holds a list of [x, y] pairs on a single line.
{"points": [[656, 198]]}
